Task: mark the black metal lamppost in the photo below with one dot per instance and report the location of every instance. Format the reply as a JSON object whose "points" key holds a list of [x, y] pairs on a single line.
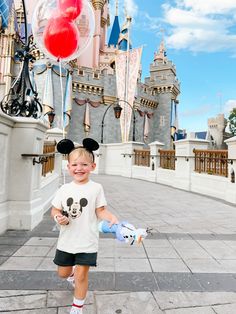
{"points": [[51, 115], [22, 98], [117, 111]]}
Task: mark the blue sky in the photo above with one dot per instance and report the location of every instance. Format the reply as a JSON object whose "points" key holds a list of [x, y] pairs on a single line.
{"points": [[200, 38]]}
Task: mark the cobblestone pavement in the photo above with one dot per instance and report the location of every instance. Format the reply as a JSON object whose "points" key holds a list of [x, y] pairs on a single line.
{"points": [[187, 266]]}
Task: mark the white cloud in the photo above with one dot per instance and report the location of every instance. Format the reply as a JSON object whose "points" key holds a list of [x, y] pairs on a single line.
{"points": [[194, 25], [209, 6], [131, 7], [148, 22], [228, 106], [201, 25]]}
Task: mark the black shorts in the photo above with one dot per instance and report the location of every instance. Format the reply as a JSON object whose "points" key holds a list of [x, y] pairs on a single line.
{"points": [[68, 259]]}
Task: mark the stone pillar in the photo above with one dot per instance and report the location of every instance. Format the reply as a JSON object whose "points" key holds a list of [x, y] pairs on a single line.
{"points": [[231, 186], [6, 125], [155, 158], [25, 208], [128, 157], [155, 155], [184, 164], [100, 159]]}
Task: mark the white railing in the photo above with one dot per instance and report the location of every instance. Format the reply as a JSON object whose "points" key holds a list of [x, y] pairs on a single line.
{"points": [[119, 159]]}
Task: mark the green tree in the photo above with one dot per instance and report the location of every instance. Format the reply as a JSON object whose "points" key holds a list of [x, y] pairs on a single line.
{"points": [[232, 121]]}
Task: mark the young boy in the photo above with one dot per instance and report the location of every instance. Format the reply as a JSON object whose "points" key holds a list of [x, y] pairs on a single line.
{"points": [[77, 207]]}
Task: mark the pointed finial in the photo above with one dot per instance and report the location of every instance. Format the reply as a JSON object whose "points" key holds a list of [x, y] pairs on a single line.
{"points": [[117, 7], [162, 30], [161, 54]]}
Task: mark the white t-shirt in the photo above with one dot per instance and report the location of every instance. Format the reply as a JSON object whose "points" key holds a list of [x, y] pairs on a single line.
{"points": [[80, 202]]}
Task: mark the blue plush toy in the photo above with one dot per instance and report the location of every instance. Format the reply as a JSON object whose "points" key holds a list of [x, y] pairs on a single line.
{"points": [[124, 231]]}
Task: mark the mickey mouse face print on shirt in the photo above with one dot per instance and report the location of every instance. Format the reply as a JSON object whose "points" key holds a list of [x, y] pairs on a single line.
{"points": [[75, 209]]}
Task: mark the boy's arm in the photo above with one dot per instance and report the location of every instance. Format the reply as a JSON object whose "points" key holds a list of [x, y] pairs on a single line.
{"points": [[58, 217], [104, 214]]}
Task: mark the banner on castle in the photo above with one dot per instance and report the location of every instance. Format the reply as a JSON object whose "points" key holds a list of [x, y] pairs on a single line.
{"points": [[48, 101], [67, 105], [127, 67], [86, 119]]}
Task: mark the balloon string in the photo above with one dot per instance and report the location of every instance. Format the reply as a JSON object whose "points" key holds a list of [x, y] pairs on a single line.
{"points": [[62, 116]]}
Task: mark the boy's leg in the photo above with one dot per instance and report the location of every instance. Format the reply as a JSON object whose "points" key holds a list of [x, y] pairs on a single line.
{"points": [[64, 271], [81, 281], [81, 288]]}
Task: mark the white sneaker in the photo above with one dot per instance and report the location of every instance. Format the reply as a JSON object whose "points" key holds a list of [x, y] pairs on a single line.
{"points": [[76, 310], [71, 280]]}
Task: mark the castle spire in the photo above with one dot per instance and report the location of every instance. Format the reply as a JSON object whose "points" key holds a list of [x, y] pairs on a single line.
{"points": [[115, 31], [161, 54]]}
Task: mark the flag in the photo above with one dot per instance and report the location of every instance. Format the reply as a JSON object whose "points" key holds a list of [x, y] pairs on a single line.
{"points": [[48, 92], [86, 119], [146, 128], [127, 67], [67, 106]]}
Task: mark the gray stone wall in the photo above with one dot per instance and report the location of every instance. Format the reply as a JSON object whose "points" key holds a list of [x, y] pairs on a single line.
{"points": [[155, 89], [162, 120]]}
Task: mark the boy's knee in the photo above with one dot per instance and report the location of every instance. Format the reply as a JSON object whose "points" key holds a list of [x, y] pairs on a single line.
{"points": [[62, 275], [64, 272], [81, 274]]}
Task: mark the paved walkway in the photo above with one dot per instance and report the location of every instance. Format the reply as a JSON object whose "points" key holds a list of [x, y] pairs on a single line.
{"points": [[188, 265]]}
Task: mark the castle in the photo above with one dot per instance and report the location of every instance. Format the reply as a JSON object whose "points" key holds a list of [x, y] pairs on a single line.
{"points": [[90, 82]]}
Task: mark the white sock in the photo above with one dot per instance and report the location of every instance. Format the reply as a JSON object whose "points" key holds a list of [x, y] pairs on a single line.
{"points": [[78, 303]]}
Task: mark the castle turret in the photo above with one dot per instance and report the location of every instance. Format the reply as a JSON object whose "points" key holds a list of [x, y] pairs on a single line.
{"points": [[216, 129], [164, 84], [98, 6]]}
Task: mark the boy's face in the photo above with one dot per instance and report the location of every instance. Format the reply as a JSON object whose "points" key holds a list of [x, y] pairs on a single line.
{"points": [[80, 167]]}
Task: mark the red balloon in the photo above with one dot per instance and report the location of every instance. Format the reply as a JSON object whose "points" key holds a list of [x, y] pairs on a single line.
{"points": [[70, 8], [60, 37]]}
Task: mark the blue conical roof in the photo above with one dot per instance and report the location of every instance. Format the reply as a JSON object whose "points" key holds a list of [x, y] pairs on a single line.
{"points": [[115, 32]]}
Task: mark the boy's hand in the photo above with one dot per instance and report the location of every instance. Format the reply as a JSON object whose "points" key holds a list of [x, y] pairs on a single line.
{"points": [[113, 220], [61, 219]]}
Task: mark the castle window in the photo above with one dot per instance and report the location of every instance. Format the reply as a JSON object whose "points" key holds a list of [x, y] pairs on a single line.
{"points": [[162, 121], [81, 72], [96, 76]]}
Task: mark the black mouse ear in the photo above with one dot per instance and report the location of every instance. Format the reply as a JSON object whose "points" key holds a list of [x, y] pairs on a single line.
{"points": [[65, 146], [90, 144]]}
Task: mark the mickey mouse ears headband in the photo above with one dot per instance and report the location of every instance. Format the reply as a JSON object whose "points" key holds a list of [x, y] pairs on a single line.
{"points": [[66, 146]]}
